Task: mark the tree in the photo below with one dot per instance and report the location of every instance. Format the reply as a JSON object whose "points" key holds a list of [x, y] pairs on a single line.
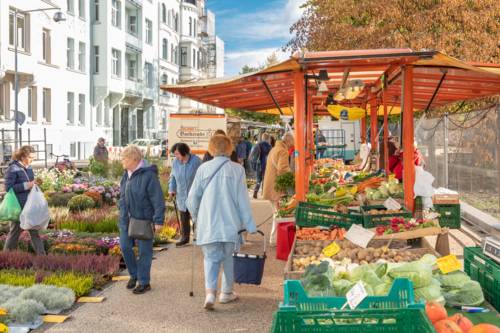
{"points": [[272, 60], [465, 29], [249, 69]]}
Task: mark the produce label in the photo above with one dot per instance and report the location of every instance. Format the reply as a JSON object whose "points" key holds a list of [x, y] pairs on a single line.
{"points": [[448, 264], [392, 204], [57, 319], [356, 295], [359, 235], [331, 250]]}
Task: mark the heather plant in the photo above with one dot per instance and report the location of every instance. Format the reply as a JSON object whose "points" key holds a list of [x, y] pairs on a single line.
{"points": [[80, 202], [60, 199], [23, 278], [96, 196], [102, 220], [24, 243], [15, 259], [52, 297], [81, 284]]}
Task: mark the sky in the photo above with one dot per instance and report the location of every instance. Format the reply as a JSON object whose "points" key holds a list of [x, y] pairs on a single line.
{"points": [[253, 29]]}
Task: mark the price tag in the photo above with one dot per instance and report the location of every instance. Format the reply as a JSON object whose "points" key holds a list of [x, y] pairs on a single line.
{"points": [[392, 204], [331, 250], [356, 295], [3, 312], [359, 235], [332, 189], [448, 264]]}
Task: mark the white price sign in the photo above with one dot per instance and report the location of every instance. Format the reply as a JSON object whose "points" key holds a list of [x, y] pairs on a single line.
{"points": [[356, 295], [392, 204], [359, 235]]}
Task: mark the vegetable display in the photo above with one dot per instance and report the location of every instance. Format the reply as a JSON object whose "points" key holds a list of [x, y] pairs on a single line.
{"points": [[320, 234]]}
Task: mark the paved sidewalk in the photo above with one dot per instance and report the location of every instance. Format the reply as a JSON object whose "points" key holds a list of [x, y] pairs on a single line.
{"points": [[168, 307]]}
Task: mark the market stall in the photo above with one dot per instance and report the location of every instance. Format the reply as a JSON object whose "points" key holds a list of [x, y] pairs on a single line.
{"points": [[356, 229]]}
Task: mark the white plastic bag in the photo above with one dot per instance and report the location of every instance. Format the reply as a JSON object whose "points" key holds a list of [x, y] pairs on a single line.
{"points": [[35, 214], [423, 186]]}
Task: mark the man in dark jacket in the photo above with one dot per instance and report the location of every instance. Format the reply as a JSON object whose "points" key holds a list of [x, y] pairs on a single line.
{"points": [[258, 159], [20, 178], [141, 197], [100, 151]]}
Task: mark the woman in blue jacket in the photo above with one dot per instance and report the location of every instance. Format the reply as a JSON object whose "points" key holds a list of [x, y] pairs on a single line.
{"points": [[141, 197], [220, 207], [20, 178]]}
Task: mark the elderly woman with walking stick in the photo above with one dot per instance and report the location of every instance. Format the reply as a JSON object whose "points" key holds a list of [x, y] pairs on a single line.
{"points": [[220, 207]]}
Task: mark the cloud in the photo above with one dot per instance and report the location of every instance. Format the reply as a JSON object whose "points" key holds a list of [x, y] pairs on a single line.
{"points": [[268, 23], [234, 61]]}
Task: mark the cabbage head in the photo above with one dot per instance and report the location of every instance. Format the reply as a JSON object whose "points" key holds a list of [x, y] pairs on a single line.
{"points": [[341, 287], [470, 294], [453, 280], [430, 293], [418, 273]]}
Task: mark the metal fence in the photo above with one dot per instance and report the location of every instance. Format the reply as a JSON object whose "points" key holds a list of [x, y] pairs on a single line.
{"points": [[462, 152]]}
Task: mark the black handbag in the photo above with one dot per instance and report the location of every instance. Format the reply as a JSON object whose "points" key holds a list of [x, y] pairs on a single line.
{"points": [[141, 229]]}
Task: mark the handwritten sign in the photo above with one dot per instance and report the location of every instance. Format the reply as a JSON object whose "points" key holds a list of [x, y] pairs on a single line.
{"points": [[392, 204], [356, 295], [359, 235]]}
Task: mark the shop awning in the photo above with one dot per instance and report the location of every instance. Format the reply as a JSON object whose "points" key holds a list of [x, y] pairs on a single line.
{"points": [[272, 87]]}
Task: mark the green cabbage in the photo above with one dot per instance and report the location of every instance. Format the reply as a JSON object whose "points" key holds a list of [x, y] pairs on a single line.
{"points": [[366, 274], [470, 294], [418, 273], [429, 259], [453, 280], [382, 289], [430, 293], [341, 287]]}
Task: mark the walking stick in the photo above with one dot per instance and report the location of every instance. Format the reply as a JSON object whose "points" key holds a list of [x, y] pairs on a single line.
{"points": [[191, 292]]}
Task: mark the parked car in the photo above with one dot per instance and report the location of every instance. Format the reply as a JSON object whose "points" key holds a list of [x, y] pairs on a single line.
{"points": [[154, 146]]}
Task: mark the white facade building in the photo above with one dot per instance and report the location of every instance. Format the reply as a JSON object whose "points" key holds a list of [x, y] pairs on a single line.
{"points": [[97, 73]]}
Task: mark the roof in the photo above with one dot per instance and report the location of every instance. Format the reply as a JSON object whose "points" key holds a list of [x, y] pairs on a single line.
{"points": [[252, 91]]}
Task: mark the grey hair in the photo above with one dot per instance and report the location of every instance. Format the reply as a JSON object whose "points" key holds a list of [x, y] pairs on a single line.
{"points": [[287, 136], [132, 152]]}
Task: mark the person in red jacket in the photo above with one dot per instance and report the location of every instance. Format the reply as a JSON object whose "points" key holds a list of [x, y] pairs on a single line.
{"points": [[397, 169]]}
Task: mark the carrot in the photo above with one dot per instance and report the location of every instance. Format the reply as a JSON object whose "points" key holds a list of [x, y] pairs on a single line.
{"points": [[333, 234], [341, 234]]}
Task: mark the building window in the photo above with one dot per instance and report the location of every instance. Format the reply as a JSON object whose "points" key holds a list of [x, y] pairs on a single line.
{"points": [[149, 32], [132, 68], [184, 56], [46, 46], [194, 27], [96, 10], [96, 59], [116, 63], [81, 57], [176, 22], [70, 54], [190, 26], [176, 53], [72, 149], [194, 58], [70, 107], [172, 52], [199, 59], [107, 121], [164, 49], [163, 13], [22, 21], [71, 6], [132, 24], [81, 109], [116, 12], [170, 18], [81, 8], [47, 104], [164, 80], [98, 114], [32, 103], [148, 68]]}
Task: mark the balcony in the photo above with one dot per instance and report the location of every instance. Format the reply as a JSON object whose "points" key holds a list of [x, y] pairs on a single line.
{"points": [[134, 88]]}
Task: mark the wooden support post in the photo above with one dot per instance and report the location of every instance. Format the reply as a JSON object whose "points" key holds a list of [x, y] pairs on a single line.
{"points": [[363, 130], [408, 137], [373, 123], [309, 141], [386, 132], [299, 124]]}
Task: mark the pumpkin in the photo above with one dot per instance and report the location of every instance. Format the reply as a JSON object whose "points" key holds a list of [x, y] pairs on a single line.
{"points": [[435, 312], [463, 322], [484, 328], [447, 326]]}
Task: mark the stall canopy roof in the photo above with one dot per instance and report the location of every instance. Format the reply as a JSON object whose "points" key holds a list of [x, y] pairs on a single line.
{"points": [[456, 80]]}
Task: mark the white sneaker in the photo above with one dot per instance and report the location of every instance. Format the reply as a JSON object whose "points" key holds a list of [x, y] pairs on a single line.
{"points": [[209, 301], [227, 298]]}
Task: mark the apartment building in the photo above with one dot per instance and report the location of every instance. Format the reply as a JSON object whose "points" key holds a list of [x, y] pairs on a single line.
{"points": [[97, 73]]}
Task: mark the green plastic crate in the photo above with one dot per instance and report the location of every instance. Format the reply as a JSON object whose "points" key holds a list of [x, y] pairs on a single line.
{"points": [[357, 321], [450, 215], [484, 270], [372, 221], [400, 296], [314, 215]]}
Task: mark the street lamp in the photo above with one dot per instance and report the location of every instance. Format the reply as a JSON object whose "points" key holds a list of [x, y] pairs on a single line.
{"points": [[58, 17]]}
